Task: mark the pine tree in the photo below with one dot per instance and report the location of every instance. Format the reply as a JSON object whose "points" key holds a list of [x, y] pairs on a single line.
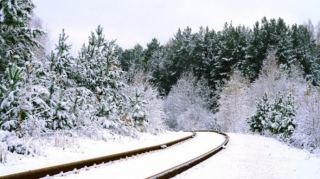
{"points": [[137, 105], [9, 94], [16, 38], [282, 118], [58, 80], [21, 91], [259, 122], [159, 70], [278, 117], [153, 46], [230, 46], [98, 70], [61, 63]]}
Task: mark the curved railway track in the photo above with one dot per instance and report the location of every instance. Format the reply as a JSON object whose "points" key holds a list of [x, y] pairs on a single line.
{"points": [[171, 172], [53, 170]]}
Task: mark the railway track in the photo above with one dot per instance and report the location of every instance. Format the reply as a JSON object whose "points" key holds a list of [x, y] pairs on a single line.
{"points": [[54, 170], [171, 172]]}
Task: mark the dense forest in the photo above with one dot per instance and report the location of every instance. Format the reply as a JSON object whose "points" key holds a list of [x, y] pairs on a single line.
{"points": [[263, 79]]}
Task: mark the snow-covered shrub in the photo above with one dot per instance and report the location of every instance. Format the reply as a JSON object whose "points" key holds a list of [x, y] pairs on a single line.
{"points": [[137, 106], [144, 102], [277, 117], [186, 94], [64, 139], [196, 118], [259, 121], [307, 133], [233, 107], [282, 119], [275, 78], [155, 108], [11, 143]]}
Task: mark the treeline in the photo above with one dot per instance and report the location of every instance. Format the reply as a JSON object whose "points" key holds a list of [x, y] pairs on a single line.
{"points": [[213, 55], [40, 94], [106, 87]]}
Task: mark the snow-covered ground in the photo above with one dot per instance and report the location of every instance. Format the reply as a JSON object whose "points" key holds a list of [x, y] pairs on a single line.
{"points": [[63, 149], [248, 156], [148, 164]]}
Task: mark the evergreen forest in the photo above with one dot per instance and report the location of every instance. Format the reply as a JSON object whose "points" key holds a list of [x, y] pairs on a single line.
{"points": [[261, 79]]}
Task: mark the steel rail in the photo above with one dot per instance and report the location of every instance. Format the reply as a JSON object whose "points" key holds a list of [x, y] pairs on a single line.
{"points": [[171, 172], [53, 170]]}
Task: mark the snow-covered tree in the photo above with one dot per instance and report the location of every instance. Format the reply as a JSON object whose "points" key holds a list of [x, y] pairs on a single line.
{"points": [[143, 102], [137, 106], [9, 94], [282, 119], [16, 39], [21, 99], [62, 63], [233, 107], [259, 121], [196, 118], [132, 57], [307, 133], [230, 50], [272, 79], [98, 70], [20, 89], [44, 39], [58, 72], [153, 46], [186, 94], [278, 117]]}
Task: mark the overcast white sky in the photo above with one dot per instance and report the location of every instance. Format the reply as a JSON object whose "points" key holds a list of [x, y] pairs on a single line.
{"points": [[138, 21]]}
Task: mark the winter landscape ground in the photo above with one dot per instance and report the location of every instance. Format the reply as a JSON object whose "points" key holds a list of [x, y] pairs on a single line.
{"points": [[260, 84], [246, 156]]}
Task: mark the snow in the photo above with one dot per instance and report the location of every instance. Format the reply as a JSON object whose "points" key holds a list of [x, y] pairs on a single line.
{"points": [[64, 149], [148, 164], [245, 156], [248, 156]]}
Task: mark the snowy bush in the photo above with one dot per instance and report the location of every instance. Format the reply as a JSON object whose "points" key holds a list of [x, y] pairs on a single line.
{"points": [[277, 117], [259, 122], [307, 133], [144, 102], [282, 119], [188, 93], [10, 142], [196, 118]]}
